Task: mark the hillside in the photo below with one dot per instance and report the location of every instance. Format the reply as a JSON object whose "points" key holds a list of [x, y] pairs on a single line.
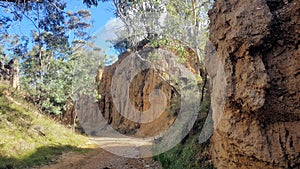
{"points": [[28, 138]]}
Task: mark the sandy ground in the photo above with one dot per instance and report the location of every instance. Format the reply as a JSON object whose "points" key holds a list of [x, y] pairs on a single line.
{"points": [[103, 156]]}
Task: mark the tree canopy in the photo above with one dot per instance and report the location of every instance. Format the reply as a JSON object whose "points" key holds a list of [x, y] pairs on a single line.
{"points": [[49, 52], [58, 38]]}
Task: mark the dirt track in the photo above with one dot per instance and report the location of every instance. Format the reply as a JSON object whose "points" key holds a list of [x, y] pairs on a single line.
{"points": [[102, 159]]}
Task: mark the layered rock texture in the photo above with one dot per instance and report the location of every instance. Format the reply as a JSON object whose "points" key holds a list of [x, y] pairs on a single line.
{"points": [[254, 65], [138, 94]]}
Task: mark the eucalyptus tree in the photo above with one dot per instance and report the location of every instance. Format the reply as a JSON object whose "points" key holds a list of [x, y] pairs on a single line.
{"points": [[47, 53], [183, 21], [58, 35], [177, 25]]}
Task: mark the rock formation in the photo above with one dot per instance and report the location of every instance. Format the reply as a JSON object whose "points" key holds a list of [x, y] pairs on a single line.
{"points": [[254, 66], [137, 89], [10, 72]]}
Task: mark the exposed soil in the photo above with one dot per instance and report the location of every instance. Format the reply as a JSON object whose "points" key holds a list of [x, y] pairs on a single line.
{"points": [[99, 158]]}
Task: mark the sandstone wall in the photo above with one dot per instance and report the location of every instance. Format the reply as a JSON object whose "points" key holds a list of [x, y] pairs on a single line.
{"points": [[254, 64], [142, 85]]}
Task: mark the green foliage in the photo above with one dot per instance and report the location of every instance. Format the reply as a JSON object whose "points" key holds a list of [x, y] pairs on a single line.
{"points": [[3, 58], [122, 45], [47, 64], [162, 22], [175, 46], [84, 75], [28, 138], [190, 154], [187, 156], [53, 92], [90, 3]]}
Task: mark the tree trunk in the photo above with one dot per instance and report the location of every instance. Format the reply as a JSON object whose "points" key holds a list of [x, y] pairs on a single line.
{"points": [[14, 79]]}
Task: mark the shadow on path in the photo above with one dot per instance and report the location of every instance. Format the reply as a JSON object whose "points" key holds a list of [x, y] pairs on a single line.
{"points": [[42, 156]]}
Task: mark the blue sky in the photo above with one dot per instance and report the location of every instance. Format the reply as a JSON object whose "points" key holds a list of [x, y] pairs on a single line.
{"points": [[101, 15]]}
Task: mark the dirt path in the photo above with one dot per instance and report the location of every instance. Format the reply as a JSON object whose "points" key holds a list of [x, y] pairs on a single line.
{"points": [[100, 158]]}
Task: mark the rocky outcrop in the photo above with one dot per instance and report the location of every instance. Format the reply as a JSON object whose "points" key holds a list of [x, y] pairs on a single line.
{"points": [[138, 97], [254, 66], [10, 72]]}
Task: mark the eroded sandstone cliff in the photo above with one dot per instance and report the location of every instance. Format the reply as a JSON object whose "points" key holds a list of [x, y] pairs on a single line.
{"points": [[129, 86], [254, 64]]}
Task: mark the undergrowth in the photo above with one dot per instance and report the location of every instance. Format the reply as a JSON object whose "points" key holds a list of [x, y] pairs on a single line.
{"points": [[189, 153]]}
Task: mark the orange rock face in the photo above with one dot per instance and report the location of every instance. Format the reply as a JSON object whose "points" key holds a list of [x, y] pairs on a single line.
{"points": [[254, 64], [137, 98]]}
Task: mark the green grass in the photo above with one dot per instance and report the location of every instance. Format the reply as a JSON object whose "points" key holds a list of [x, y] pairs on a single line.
{"points": [[189, 154], [28, 138]]}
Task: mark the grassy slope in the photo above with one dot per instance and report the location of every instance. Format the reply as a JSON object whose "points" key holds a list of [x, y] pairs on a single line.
{"points": [[28, 138]]}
